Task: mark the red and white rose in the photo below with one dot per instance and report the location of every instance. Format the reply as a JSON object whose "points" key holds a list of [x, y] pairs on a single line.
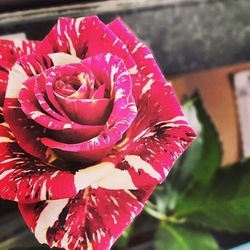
{"points": [[89, 127]]}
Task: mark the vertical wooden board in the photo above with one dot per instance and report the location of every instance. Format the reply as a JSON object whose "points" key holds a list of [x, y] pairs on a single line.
{"points": [[219, 99]]}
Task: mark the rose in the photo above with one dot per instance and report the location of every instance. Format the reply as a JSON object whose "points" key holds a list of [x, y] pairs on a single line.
{"points": [[89, 127]]}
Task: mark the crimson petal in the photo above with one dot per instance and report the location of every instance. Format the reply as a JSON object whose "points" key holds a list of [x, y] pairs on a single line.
{"points": [[3, 84], [82, 37], [87, 37], [86, 111], [146, 64], [93, 219], [9, 52], [27, 133], [26, 179], [39, 87]]}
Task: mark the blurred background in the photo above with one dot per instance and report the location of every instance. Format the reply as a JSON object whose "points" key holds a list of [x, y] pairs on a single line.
{"points": [[202, 46]]}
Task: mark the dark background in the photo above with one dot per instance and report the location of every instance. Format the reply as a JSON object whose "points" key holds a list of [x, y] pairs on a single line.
{"points": [[17, 5], [185, 35]]}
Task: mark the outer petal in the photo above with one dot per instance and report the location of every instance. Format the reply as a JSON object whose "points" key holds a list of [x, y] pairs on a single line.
{"points": [[146, 65], [93, 219], [86, 37], [3, 84], [23, 178], [82, 37], [26, 179], [9, 52], [26, 132], [23, 129]]}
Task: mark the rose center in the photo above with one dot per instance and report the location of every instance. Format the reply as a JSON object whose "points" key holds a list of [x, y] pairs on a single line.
{"points": [[82, 97]]}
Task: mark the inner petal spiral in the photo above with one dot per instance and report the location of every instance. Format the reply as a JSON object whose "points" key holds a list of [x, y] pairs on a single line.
{"points": [[84, 108]]}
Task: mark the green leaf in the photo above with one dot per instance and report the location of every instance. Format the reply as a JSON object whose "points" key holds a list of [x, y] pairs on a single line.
{"points": [[227, 204], [176, 237], [186, 165], [123, 241], [203, 159], [211, 154]]}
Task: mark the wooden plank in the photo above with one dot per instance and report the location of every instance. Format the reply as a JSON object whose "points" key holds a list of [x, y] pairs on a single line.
{"points": [[219, 99], [241, 82]]}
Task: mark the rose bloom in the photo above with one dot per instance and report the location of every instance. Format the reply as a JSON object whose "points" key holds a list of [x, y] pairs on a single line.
{"points": [[89, 127]]}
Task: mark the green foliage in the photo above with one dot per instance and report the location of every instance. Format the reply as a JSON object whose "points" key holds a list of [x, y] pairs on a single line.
{"points": [[227, 203], [176, 237], [210, 152], [124, 239]]}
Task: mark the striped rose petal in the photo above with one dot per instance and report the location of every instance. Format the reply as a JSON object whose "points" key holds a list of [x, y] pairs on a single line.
{"points": [[112, 71], [93, 219], [82, 37], [26, 132], [3, 84], [156, 138], [146, 64], [86, 37], [9, 52], [27, 180], [42, 99]]}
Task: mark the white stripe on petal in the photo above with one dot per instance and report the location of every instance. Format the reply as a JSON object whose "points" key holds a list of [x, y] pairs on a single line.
{"points": [[63, 58], [71, 46], [16, 77], [133, 70], [148, 56], [77, 25], [138, 45], [9, 160], [107, 57], [48, 217], [5, 139], [88, 176], [147, 86], [5, 173], [138, 163], [117, 179]]}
